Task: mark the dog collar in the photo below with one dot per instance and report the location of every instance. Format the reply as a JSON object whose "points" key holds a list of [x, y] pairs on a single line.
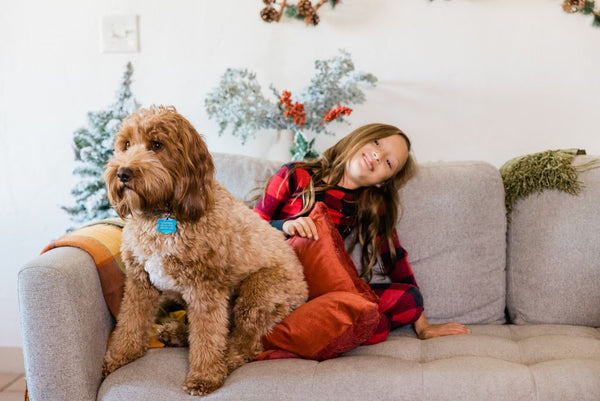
{"points": [[166, 225]]}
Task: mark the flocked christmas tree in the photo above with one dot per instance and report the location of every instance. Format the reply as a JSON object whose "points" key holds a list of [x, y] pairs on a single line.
{"points": [[93, 146]]}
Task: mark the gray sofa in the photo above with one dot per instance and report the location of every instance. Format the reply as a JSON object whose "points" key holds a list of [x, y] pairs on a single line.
{"points": [[529, 292]]}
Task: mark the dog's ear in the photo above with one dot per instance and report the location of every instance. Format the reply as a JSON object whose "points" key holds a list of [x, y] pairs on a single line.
{"points": [[194, 190]]}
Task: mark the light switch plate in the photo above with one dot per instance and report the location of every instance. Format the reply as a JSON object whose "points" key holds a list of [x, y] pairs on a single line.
{"points": [[119, 34]]}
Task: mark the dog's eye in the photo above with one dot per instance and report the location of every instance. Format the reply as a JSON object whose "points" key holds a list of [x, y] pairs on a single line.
{"points": [[156, 146], [127, 145]]}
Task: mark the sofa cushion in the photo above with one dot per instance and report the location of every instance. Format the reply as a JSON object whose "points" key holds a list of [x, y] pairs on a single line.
{"points": [[553, 265], [454, 229], [243, 176], [495, 362]]}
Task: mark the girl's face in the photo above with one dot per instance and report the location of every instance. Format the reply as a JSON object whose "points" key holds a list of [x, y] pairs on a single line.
{"points": [[375, 162]]}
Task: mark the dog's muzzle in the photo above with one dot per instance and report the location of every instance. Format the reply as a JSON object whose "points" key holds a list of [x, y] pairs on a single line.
{"points": [[125, 174]]}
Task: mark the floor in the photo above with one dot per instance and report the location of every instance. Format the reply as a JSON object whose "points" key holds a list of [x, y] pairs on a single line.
{"points": [[12, 378]]}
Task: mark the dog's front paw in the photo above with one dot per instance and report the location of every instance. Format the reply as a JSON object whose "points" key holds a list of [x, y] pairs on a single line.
{"points": [[234, 362], [201, 386], [114, 360], [235, 359], [109, 366]]}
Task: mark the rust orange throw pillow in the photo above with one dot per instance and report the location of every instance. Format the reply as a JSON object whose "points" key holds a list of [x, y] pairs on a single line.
{"points": [[324, 327], [342, 311], [327, 265]]}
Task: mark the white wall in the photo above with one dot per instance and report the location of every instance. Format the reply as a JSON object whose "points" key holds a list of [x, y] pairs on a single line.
{"points": [[467, 79]]}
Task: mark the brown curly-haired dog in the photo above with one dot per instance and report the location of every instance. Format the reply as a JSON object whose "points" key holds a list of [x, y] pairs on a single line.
{"points": [[235, 272]]}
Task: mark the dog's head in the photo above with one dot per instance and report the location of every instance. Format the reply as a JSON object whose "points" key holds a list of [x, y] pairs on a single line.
{"points": [[160, 164]]}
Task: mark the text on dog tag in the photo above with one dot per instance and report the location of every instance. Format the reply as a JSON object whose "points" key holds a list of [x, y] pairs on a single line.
{"points": [[166, 225]]}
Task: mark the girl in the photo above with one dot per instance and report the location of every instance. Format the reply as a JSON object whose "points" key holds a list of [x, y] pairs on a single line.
{"points": [[358, 179]]}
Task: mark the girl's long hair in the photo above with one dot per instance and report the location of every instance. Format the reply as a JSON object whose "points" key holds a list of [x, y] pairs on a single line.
{"points": [[373, 201]]}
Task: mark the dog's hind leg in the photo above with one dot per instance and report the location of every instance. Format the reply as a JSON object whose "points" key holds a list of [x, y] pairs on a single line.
{"points": [[172, 330], [173, 333], [138, 308], [208, 319], [264, 299]]}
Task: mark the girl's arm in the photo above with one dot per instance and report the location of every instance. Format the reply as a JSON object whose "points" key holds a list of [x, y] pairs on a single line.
{"points": [[279, 202], [402, 273], [427, 330], [275, 197], [399, 269]]}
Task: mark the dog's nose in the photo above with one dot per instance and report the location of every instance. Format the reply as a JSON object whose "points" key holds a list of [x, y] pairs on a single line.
{"points": [[125, 174]]}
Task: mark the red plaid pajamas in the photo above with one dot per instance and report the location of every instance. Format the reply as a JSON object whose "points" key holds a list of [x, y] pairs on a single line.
{"points": [[401, 302]]}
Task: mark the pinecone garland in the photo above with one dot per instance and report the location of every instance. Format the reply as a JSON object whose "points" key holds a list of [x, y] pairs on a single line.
{"points": [[572, 6], [301, 10], [587, 8], [291, 12], [312, 19], [305, 8], [268, 14]]}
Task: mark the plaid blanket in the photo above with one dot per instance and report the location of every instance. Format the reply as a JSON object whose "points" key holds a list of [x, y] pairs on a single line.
{"points": [[102, 241]]}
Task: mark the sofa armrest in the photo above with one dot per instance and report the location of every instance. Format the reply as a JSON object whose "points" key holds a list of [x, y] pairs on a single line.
{"points": [[65, 325]]}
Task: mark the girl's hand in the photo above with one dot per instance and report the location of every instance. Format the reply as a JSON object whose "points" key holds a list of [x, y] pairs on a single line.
{"points": [[426, 330], [438, 330], [302, 227]]}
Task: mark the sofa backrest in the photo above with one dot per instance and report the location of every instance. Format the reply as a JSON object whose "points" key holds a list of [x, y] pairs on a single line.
{"points": [[453, 227], [243, 176], [553, 265]]}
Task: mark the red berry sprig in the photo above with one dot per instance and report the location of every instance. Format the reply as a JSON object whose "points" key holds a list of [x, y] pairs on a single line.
{"points": [[332, 114], [295, 110]]}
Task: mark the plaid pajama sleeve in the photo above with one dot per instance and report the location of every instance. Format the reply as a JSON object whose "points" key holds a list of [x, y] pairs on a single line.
{"points": [[399, 269], [400, 302], [280, 200]]}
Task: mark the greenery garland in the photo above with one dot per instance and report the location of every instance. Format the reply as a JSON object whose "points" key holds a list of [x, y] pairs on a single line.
{"points": [[305, 10], [585, 7], [534, 173]]}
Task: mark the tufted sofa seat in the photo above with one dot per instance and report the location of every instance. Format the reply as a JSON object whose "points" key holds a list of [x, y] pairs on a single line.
{"points": [[507, 362]]}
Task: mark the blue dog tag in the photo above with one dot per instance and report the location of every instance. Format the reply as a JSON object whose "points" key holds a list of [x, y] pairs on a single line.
{"points": [[167, 225]]}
